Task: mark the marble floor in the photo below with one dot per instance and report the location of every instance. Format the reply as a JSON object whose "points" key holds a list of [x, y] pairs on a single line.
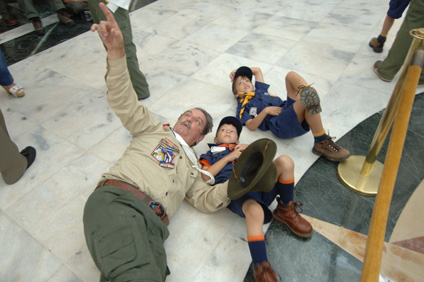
{"points": [[187, 49]]}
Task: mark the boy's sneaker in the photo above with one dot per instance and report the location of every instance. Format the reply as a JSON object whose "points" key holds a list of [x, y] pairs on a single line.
{"points": [[38, 26], [263, 272], [376, 45], [330, 150], [310, 99], [64, 18], [287, 214]]}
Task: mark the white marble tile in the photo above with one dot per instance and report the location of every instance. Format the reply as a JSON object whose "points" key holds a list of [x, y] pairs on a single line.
{"points": [[215, 37], [65, 274], [150, 45], [58, 194], [319, 59], [53, 154], [181, 58], [23, 257], [287, 28], [242, 19], [186, 25], [263, 48]]}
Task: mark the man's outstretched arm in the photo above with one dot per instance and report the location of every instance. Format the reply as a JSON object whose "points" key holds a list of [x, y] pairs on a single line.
{"points": [[110, 34]]}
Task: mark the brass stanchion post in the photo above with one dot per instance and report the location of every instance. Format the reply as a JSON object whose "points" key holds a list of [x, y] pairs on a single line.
{"points": [[362, 174], [374, 248]]}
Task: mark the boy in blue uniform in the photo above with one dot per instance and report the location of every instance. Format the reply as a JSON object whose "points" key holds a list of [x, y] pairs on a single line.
{"points": [[254, 205], [286, 119]]}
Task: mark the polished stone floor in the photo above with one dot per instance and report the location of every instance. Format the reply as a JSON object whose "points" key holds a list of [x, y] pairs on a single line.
{"points": [[186, 49]]}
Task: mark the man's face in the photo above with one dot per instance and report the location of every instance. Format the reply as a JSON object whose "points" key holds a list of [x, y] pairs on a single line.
{"points": [[244, 85], [190, 126], [226, 134]]}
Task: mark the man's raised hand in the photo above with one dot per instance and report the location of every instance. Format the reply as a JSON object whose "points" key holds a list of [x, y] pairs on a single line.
{"points": [[110, 34]]}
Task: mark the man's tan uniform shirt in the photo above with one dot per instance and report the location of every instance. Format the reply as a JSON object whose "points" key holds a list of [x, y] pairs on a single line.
{"points": [[140, 164]]}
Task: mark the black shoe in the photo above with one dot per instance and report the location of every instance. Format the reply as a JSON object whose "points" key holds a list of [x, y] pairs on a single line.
{"points": [[29, 153]]}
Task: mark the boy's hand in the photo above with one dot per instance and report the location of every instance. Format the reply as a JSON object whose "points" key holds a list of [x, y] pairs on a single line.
{"points": [[273, 110], [110, 34], [234, 155], [232, 74]]}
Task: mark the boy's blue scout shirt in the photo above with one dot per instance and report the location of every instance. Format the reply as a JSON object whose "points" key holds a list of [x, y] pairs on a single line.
{"points": [[209, 158], [260, 101], [140, 164]]}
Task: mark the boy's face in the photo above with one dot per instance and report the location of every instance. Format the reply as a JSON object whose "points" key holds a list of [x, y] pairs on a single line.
{"points": [[227, 134], [244, 85]]}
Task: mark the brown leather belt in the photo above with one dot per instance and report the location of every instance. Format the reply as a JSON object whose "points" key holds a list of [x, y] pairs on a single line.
{"points": [[157, 207]]}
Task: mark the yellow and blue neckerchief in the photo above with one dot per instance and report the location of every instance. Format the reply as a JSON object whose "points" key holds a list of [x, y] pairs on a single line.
{"points": [[243, 101]]}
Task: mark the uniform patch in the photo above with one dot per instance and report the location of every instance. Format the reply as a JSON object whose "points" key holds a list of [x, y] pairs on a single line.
{"points": [[164, 152], [253, 111]]}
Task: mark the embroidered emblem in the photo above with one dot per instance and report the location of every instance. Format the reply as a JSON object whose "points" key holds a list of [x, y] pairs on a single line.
{"points": [[253, 111], [168, 156]]}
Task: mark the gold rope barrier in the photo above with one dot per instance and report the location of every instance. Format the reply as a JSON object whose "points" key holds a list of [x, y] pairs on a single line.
{"points": [[362, 174], [373, 251]]}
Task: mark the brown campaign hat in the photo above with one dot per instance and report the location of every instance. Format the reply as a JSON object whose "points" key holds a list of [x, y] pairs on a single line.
{"points": [[254, 170]]}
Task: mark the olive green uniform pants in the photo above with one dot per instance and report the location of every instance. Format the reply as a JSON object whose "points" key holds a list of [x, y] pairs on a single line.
{"points": [[124, 236], [397, 54], [12, 163], [122, 17]]}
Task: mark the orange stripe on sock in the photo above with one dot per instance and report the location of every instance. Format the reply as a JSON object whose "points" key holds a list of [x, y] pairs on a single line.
{"points": [[255, 238], [318, 134], [290, 181]]}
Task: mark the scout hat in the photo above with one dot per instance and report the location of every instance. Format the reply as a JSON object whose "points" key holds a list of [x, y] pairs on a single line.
{"points": [[242, 71], [231, 120], [254, 170]]}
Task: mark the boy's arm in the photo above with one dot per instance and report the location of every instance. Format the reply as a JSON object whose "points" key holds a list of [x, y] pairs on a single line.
{"points": [[257, 72], [219, 165], [254, 123]]}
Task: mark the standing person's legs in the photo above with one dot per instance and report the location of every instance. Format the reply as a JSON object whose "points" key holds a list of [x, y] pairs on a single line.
{"points": [[388, 68], [12, 163], [122, 17], [6, 78]]}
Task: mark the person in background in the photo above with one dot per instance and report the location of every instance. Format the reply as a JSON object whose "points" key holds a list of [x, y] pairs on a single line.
{"points": [[13, 163], [31, 13], [7, 81], [122, 17], [396, 9], [387, 69]]}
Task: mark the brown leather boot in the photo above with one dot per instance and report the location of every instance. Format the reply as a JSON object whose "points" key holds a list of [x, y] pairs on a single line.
{"points": [[263, 272], [288, 215]]}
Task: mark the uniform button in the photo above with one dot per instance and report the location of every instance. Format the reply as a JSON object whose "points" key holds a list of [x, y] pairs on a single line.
{"points": [[166, 194]]}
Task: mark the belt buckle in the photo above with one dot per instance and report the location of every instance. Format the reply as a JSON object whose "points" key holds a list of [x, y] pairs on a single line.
{"points": [[157, 208]]}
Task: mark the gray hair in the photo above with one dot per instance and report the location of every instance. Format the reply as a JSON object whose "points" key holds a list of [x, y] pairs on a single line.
{"points": [[209, 121]]}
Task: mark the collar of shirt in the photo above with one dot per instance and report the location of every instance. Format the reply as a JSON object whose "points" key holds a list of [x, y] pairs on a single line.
{"points": [[221, 147]]}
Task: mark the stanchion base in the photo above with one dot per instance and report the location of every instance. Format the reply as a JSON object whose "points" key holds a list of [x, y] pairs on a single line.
{"points": [[349, 173]]}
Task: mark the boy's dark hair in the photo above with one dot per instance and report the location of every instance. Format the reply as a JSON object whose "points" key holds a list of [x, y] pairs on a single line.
{"points": [[233, 121], [242, 71]]}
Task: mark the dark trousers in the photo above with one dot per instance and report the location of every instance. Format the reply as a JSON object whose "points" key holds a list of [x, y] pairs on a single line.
{"points": [[12, 163], [122, 17], [124, 236]]}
